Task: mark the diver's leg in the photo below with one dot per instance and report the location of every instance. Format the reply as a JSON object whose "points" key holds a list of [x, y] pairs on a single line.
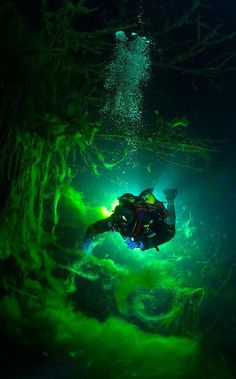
{"points": [[170, 195], [171, 210]]}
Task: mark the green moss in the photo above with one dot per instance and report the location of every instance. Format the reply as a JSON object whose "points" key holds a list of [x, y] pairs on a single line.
{"points": [[74, 202], [114, 348]]}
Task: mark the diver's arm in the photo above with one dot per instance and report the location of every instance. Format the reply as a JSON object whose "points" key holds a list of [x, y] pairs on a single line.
{"points": [[100, 226], [146, 242], [141, 242], [120, 219]]}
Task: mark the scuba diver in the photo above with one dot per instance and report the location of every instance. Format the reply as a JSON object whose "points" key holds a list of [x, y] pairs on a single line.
{"points": [[143, 221]]}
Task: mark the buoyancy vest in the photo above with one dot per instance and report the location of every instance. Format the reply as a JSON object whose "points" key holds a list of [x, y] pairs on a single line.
{"points": [[148, 214]]}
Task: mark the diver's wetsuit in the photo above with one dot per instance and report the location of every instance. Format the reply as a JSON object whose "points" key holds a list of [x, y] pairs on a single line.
{"points": [[151, 224]]}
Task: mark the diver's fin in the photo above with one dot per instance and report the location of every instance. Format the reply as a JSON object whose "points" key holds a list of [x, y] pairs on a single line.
{"points": [[170, 194]]}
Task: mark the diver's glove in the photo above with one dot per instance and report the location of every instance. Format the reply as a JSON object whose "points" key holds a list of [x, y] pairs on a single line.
{"points": [[88, 245], [132, 244]]}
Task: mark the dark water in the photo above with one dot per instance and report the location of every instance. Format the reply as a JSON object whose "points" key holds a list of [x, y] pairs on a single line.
{"points": [[120, 313]]}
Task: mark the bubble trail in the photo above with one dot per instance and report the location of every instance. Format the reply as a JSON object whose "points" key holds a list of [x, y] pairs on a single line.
{"points": [[128, 72]]}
